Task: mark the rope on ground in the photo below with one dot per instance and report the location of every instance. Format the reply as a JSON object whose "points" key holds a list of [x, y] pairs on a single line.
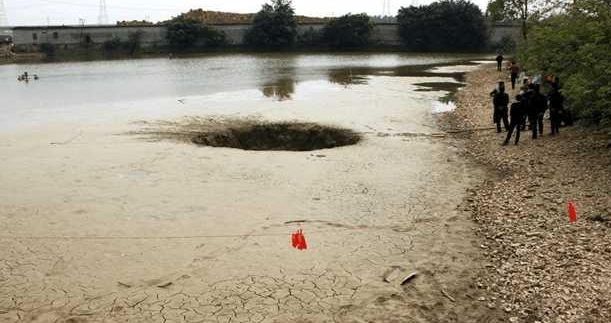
{"points": [[428, 135], [452, 131], [149, 237], [73, 138]]}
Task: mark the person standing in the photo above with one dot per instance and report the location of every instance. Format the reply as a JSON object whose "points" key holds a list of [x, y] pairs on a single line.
{"points": [[500, 102], [517, 116], [515, 71], [536, 110], [556, 109], [499, 62], [525, 91]]}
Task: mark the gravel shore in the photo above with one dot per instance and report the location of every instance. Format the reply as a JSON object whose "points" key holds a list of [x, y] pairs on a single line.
{"points": [[539, 267]]}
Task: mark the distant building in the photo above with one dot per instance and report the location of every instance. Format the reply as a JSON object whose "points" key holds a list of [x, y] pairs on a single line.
{"points": [[29, 39], [6, 35]]}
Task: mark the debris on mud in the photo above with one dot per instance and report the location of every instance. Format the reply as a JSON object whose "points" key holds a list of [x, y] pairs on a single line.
{"points": [[248, 134], [409, 278]]}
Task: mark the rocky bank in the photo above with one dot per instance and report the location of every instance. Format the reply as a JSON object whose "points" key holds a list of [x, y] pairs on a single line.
{"points": [[539, 267]]}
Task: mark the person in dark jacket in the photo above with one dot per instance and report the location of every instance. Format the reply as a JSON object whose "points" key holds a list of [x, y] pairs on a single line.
{"points": [[500, 102], [525, 91], [514, 70], [556, 110], [499, 62], [537, 104], [517, 116]]}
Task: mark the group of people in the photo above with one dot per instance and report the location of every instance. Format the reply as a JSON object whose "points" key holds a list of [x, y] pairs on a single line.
{"points": [[26, 77], [529, 105]]}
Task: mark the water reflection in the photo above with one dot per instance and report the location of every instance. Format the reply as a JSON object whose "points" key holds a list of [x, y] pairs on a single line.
{"points": [[450, 87], [281, 89], [348, 77], [278, 77]]}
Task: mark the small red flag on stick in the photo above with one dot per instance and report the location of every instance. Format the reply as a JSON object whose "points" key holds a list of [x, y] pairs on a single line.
{"points": [[298, 240]]}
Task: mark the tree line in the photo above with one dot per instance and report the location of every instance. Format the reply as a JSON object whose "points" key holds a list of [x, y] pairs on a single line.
{"points": [[446, 25]]}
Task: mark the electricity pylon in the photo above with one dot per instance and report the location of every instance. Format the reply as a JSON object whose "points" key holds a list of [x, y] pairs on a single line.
{"points": [[3, 18], [103, 17]]}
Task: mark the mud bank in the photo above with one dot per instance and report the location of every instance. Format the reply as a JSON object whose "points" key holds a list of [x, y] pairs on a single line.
{"points": [[98, 226], [539, 267]]}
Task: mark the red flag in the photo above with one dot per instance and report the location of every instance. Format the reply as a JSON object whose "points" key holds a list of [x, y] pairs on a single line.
{"points": [[572, 212], [295, 239], [298, 240]]}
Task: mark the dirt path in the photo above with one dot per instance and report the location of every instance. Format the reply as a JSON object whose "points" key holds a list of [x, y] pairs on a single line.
{"points": [[541, 268]]}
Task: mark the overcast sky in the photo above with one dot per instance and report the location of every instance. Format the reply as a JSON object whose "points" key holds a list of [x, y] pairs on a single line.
{"points": [[37, 12]]}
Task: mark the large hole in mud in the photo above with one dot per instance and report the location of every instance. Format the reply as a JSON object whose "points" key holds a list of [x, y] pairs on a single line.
{"points": [[252, 134], [279, 136]]}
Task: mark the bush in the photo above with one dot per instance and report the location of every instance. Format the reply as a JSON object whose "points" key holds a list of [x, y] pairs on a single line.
{"points": [[506, 45], [274, 26], [349, 31], [310, 38], [134, 42], [186, 33], [446, 25], [47, 49], [575, 46], [112, 45]]}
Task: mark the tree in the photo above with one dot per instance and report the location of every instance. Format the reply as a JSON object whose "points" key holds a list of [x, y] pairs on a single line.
{"points": [[185, 33], [348, 31], [502, 10], [112, 45], [134, 42], [443, 26], [575, 45], [524, 10], [274, 26]]}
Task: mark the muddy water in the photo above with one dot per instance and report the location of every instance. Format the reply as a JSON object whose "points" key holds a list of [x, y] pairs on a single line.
{"points": [[99, 225]]}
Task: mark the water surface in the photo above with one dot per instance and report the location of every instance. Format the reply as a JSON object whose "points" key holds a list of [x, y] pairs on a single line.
{"points": [[91, 91]]}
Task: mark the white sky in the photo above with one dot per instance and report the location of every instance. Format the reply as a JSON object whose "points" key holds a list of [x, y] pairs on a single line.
{"points": [[41, 12]]}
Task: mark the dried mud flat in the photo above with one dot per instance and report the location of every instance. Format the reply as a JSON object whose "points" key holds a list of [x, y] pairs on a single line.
{"points": [[540, 268], [101, 227]]}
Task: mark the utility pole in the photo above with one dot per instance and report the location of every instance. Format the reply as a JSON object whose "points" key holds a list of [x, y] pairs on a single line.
{"points": [[103, 16], [3, 18]]}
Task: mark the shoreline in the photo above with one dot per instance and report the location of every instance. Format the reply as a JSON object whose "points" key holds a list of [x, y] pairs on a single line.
{"points": [[93, 56], [538, 266]]}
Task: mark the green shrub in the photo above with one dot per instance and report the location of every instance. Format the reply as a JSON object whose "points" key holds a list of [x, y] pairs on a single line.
{"points": [[348, 31], [310, 38], [274, 26], [445, 25], [185, 33], [506, 45], [575, 46], [134, 42]]}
